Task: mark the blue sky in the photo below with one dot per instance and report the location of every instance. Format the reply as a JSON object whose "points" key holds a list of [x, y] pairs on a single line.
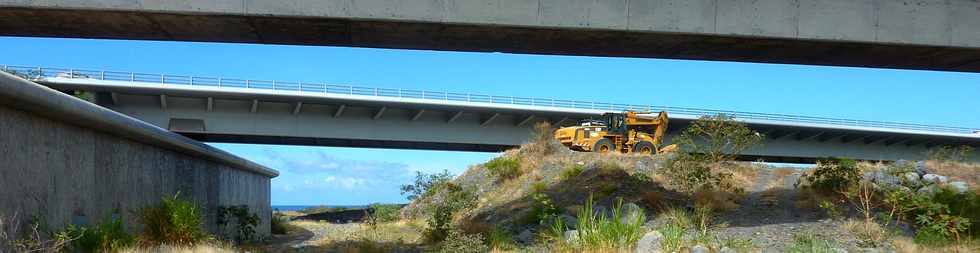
{"points": [[345, 176]]}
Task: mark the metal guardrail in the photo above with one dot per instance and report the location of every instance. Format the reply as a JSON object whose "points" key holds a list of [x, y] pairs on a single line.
{"points": [[43, 72]]}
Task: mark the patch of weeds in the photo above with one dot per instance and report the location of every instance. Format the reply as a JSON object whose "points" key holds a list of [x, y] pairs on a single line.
{"points": [[499, 239], [739, 245], [619, 230], [31, 237], [240, 220], [173, 221], [459, 242], [833, 211], [279, 224], [570, 172], [504, 168], [809, 243], [673, 237], [677, 217], [108, 236]]}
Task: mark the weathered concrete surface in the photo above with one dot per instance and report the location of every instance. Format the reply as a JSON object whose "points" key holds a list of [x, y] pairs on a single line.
{"points": [[914, 34], [68, 170]]}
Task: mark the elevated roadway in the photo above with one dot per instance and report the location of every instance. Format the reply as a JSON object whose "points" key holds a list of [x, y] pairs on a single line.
{"points": [[273, 112], [909, 34]]}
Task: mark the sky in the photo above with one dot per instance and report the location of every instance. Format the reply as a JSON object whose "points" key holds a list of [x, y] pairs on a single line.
{"points": [[351, 176]]}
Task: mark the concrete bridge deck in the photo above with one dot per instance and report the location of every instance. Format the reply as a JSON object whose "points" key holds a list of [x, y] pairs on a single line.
{"points": [[274, 112], [910, 34]]}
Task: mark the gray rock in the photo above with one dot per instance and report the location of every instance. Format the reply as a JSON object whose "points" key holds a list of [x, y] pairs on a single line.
{"points": [[927, 190], [571, 236], [958, 186], [526, 236], [887, 180], [920, 167], [726, 250], [933, 178], [699, 249], [650, 242], [570, 222], [910, 177]]}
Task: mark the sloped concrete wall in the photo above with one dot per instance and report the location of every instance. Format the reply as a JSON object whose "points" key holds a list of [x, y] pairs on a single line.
{"points": [[79, 171]]}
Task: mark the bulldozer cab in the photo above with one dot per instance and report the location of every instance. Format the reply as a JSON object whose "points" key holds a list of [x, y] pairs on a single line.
{"points": [[615, 122]]}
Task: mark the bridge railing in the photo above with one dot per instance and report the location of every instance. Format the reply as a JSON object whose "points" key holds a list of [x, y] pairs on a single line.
{"points": [[43, 72]]}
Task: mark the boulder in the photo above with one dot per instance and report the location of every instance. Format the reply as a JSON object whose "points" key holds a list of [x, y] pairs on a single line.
{"points": [[650, 242], [886, 180], [699, 249], [571, 236], [910, 177], [958, 186], [570, 222], [920, 167], [933, 178]]}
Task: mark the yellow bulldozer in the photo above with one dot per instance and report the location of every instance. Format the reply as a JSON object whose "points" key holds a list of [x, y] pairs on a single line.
{"points": [[627, 132]]}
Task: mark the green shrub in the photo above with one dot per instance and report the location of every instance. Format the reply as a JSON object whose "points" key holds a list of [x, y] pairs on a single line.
{"points": [[174, 221], [571, 172], [833, 211], [108, 236], [455, 198], [832, 175], [503, 168], [384, 212], [543, 208], [279, 224], [424, 184], [940, 218], [459, 242], [617, 231], [244, 222]]}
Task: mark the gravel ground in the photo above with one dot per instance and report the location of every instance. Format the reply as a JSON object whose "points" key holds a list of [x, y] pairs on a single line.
{"points": [[770, 218]]}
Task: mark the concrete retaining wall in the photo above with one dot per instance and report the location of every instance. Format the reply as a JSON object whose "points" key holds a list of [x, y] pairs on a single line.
{"points": [[69, 161]]}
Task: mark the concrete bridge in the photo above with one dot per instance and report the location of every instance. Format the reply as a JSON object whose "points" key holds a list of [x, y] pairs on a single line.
{"points": [[274, 112], [910, 34]]}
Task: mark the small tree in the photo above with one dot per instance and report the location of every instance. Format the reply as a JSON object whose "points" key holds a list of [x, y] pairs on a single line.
{"points": [[704, 146], [717, 137], [424, 182]]}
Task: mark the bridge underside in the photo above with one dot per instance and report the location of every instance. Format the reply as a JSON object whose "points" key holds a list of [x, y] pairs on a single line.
{"points": [[319, 122], [145, 25]]}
